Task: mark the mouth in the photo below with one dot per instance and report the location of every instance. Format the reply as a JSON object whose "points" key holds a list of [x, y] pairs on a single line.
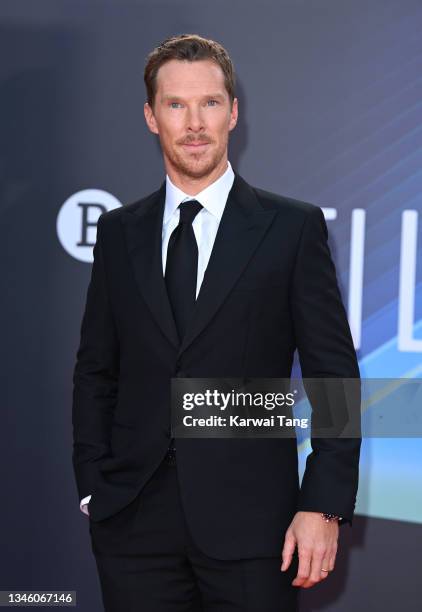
{"points": [[196, 146]]}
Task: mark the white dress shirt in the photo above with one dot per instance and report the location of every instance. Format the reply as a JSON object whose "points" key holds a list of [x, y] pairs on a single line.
{"points": [[205, 225]]}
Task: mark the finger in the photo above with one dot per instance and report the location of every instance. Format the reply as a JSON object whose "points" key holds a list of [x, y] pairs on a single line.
{"points": [[288, 550], [333, 549], [326, 565], [304, 567], [315, 574], [332, 561]]}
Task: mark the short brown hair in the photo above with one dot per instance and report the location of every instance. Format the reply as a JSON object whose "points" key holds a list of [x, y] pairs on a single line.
{"points": [[191, 47]]}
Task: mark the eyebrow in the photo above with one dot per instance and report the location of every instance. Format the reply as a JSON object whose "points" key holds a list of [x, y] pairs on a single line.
{"points": [[180, 99]]}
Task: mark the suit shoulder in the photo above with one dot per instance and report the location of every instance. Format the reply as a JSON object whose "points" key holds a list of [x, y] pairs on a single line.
{"points": [[285, 204], [114, 215]]}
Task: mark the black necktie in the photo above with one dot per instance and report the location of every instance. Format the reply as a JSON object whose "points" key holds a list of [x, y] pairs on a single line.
{"points": [[182, 266]]}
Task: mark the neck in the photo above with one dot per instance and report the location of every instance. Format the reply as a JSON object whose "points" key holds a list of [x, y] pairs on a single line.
{"points": [[192, 185]]}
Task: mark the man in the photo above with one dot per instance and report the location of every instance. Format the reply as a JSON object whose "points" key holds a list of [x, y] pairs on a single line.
{"points": [[206, 277]]}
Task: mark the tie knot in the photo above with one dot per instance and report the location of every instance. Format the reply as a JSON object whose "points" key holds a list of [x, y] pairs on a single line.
{"points": [[188, 210]]}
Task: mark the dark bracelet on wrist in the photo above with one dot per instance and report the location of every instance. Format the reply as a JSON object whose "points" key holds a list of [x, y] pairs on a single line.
{"points": [[329, 518]]}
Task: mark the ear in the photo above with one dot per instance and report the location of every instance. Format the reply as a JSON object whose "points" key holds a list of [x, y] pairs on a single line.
{"points": [[233, 115], [150, 119]]}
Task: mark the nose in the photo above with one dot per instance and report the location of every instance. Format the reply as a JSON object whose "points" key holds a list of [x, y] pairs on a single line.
{"points": [[195, 120]]}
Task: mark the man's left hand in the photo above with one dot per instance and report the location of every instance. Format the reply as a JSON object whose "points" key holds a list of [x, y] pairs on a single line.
{"points": [[316, 541]]}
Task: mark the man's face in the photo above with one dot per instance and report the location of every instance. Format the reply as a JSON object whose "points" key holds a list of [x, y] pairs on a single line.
{"points": [[192, 116]]}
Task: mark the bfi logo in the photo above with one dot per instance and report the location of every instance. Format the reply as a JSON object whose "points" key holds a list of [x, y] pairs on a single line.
{"points": [[77, 221]]}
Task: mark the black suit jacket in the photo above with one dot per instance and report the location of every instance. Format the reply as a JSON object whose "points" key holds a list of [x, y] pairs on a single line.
{"points": [[270, 287]]}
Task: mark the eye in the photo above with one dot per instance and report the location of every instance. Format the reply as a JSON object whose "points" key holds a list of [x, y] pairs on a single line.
{"points": [[216, 102], [172, 104]]}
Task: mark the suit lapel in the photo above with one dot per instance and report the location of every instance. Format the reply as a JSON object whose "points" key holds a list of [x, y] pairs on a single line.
{"points": [[242, 227], [143, 230]]}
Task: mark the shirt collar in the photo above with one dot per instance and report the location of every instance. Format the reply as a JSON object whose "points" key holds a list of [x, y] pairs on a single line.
{"points": [[213, 197]]}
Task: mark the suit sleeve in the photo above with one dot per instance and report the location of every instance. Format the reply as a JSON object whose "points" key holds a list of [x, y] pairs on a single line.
{"points": [[95, 377], [326, 350]]}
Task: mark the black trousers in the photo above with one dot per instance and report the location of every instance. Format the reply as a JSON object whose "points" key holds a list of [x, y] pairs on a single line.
{"points": [[147, 561]]}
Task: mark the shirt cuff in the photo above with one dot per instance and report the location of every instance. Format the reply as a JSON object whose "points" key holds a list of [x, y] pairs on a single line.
{"points": [[84, 504]]}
